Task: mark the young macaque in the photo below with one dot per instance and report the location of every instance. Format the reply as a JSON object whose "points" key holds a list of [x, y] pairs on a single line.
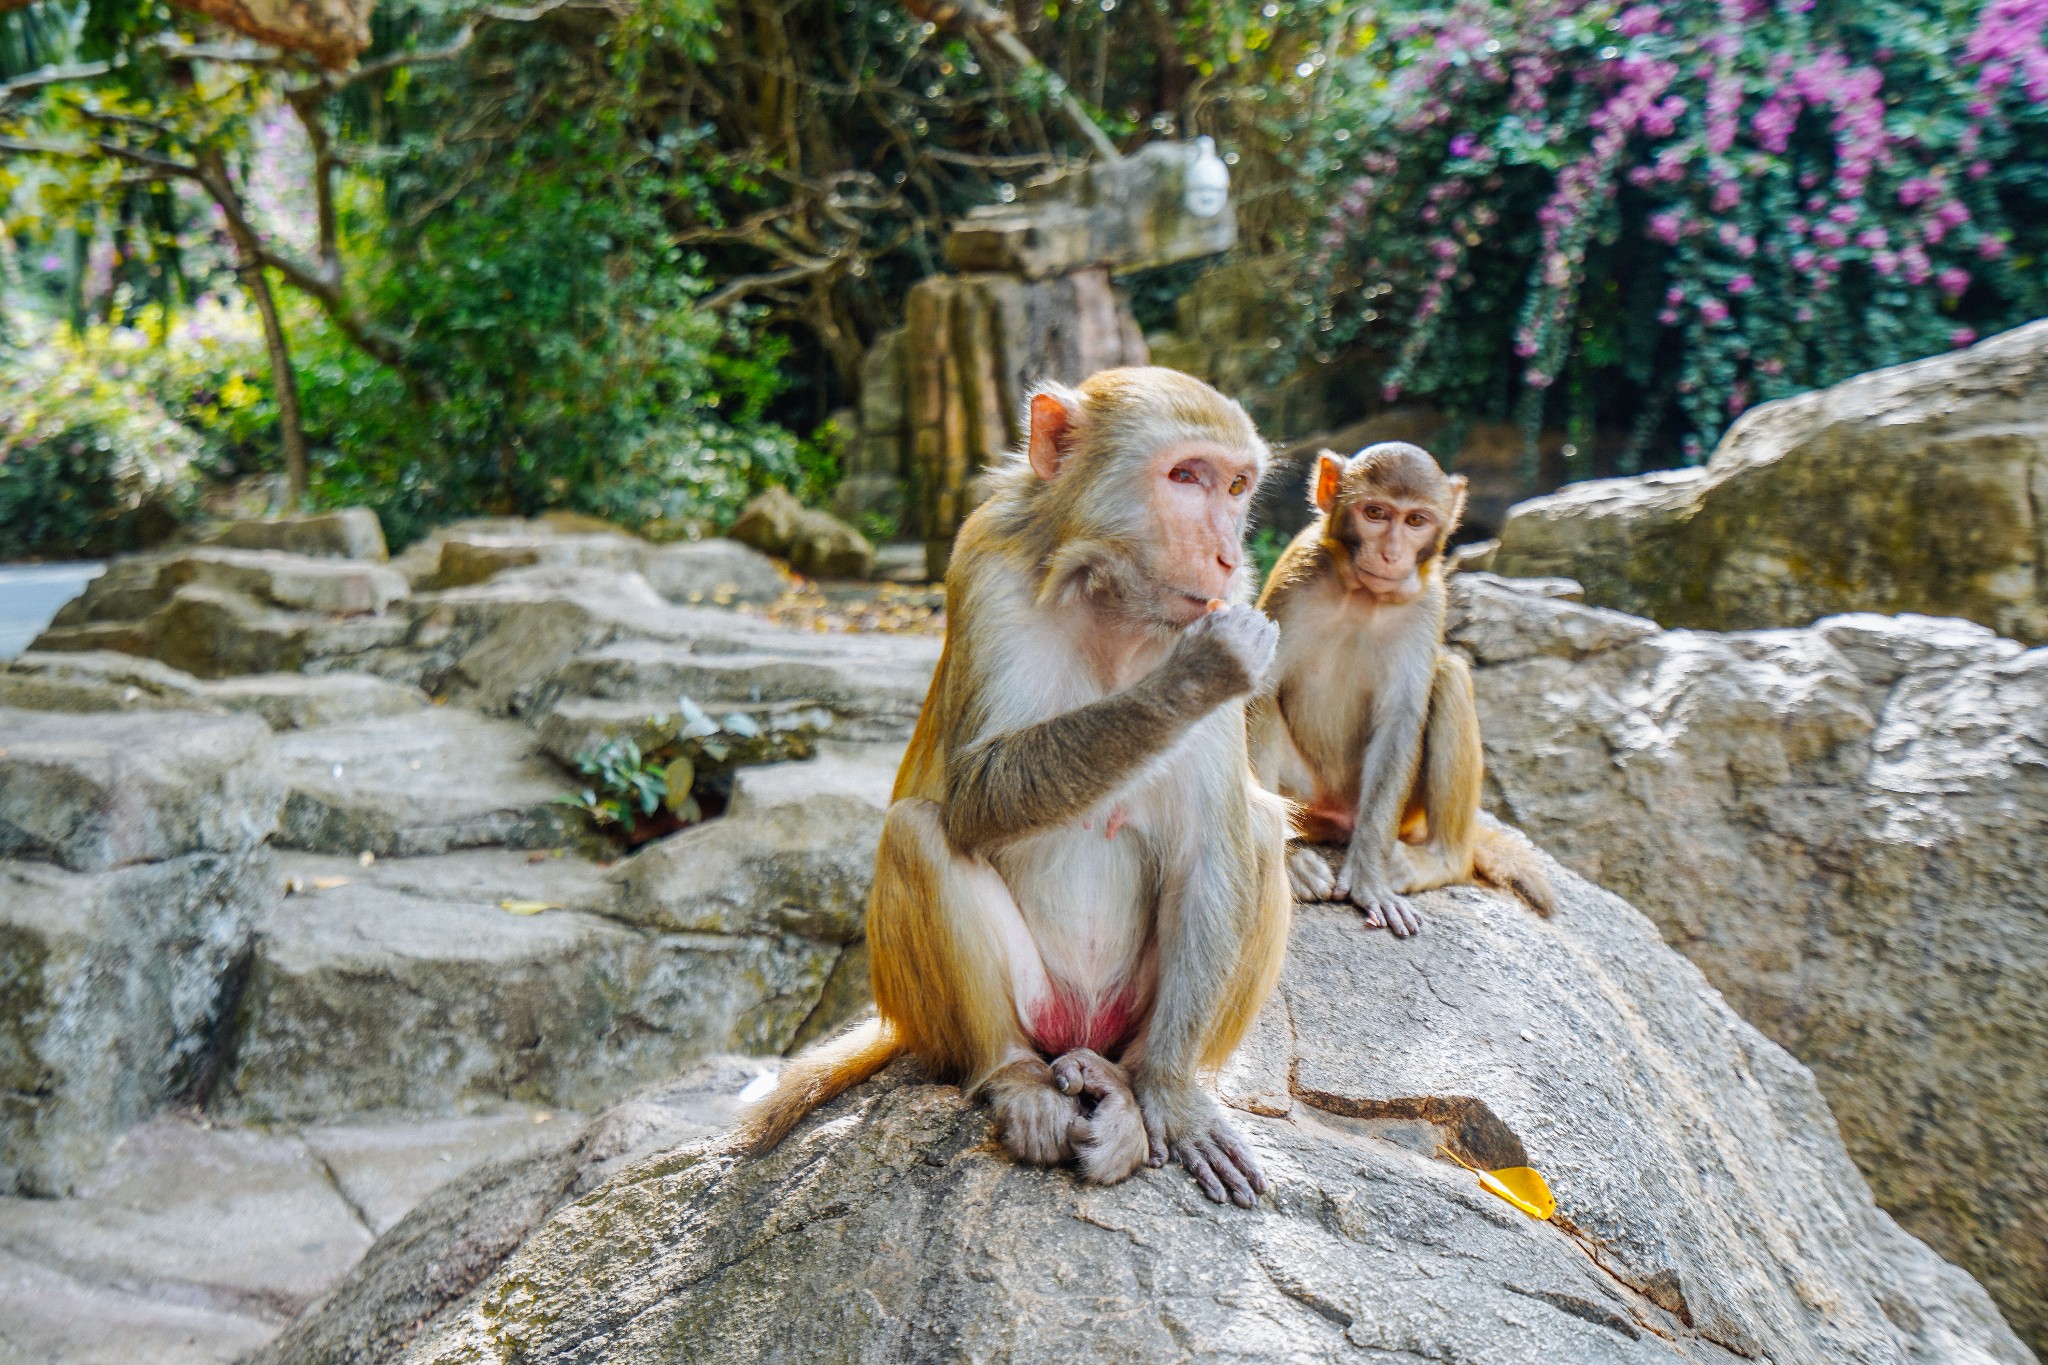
{"points": [[1081, 897], [1371, 728]]}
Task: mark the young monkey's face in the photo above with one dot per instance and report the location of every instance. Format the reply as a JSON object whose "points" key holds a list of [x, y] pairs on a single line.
{"points": [[1385, 537], [1199, 493]]}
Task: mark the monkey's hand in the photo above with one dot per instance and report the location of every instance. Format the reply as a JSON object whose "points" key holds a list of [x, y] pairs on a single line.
{"points": [[1107, 1133], [1241, 639], [1363, 881], [1181, 1120], [1309, 875]]}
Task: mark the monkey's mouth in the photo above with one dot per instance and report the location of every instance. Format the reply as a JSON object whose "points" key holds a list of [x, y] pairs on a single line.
{"points": [[1386, 585]]}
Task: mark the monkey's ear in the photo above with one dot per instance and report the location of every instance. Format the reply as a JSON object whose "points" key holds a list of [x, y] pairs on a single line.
{"points": [[1050, 438], [1322, 485], [1454, 512]]}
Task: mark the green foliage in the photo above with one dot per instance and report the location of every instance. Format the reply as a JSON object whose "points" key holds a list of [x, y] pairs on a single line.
{"points": [[1643, 219], [90, 462], [684, 771], [1265, 548]]}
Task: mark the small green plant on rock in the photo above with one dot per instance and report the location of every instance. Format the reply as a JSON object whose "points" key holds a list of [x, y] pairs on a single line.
{"points": [[682, 773]]}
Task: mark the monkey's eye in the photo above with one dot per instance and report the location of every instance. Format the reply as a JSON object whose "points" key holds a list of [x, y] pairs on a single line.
{"points": [[1183, 473], [1374, 512], [1238, 485], [1418, 518]]}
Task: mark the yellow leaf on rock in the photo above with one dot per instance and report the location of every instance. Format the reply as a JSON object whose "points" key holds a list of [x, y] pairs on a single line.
{"points": [[1522, 1186], [328, 883], [526, 907]]}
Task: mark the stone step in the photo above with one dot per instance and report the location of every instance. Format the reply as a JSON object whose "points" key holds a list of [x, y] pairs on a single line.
{"points": [[421, 783], [575, 726], [92, 791], [116, 988], [873, 685], [101, 680], [404, 984]]}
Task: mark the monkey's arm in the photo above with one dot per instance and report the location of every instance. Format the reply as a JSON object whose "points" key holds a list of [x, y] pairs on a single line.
{"points": [[1011, 784]]}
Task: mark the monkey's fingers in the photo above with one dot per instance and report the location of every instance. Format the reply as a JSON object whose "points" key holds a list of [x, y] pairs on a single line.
{"points": [[1155, 1139], [1402, 921], [1087, 1074], [1309, 875]]}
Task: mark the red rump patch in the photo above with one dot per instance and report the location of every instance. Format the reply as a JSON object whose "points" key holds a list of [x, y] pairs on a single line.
{"points": [[1066, 1020]]}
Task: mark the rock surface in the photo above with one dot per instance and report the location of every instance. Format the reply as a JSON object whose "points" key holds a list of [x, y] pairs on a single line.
{"points": [[349, 533], [815, 543], [1914, 489], [196, 1242], [407, 985], [1707, 1210], [1844, 827]]}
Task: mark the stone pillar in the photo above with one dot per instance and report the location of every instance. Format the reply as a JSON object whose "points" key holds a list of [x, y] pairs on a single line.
{"points": [[979, 342]]}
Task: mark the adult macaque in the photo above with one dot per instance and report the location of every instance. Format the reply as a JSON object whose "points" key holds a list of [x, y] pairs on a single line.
{"points": [[1081, 897], [1371, 727]]}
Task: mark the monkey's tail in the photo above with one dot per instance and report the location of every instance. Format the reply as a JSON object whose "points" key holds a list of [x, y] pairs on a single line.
{"points": [[816, 1076], [1505, 858]]}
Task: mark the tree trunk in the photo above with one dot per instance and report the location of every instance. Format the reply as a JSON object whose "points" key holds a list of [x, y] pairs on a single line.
{"points": [[291, 428]]}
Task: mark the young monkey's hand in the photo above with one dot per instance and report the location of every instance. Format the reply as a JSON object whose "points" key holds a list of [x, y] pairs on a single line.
{"points": [[1247, 635]]}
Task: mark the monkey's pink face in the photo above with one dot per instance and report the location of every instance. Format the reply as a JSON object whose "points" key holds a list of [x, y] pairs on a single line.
{"points": [[1200, 493], [1388, 540]]}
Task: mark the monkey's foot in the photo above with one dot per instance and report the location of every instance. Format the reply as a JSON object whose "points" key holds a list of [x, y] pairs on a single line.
{"points": [[1189, 1124], [1107, 1134], [1309, 874], [1384, 908], [1032, 1117]]}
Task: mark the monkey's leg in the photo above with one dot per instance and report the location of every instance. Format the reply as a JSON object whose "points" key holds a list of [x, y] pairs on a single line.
{"points": [[1281, 768], [952, 960], [1448, 784], [1221, 941], [1386, 778]]}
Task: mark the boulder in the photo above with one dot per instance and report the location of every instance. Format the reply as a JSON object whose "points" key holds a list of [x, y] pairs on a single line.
{"points": [[408, 985], [330, 587], [117, 988], [718, 571], [468, 558], [815, 543], [1912, 489], [90, 792], [1706, 1211], [769, 522], [350, 533], [1844, 827], [420, 783]]}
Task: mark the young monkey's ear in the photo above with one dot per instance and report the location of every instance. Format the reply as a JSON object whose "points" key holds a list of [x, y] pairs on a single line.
{"points": [[1322, 484], [1051, 434]]}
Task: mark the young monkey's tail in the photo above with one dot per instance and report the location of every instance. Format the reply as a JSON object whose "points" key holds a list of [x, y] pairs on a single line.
{"points": [[1505, 858], [816, 1076]]}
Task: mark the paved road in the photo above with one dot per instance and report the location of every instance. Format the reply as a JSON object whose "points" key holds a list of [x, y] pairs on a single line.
{"points": [[30, 595]]}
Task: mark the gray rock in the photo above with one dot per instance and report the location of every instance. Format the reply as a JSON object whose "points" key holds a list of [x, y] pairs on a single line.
{"points": [[117, 988], [416, 990], [1707, 1211], [1843, 826], [469, 558], [575, 726], [296, 701], [719, 571], [98, 680], [97, 791], [350, 533], [197, 1241], [769, 522], [420, 783], [1910, 489], [452, 1240], [295, 582], [874, 685], [827, 547], [794, 853]]}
